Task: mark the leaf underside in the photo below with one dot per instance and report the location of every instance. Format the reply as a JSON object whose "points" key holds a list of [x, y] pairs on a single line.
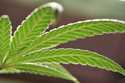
{"points": [[31, 48]]}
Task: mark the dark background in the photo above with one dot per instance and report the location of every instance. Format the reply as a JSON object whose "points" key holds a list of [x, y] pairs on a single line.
{"points": [[110, 45]]}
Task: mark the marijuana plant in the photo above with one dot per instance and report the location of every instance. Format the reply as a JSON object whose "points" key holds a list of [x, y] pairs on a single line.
{"points": [[31, 48]]}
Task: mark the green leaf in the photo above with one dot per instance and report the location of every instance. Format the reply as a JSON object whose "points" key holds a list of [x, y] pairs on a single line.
{"points": [[73, 31], [28, 50], [46, 69], [34, 25], [72, 56], [52, 69], [5, 35]]}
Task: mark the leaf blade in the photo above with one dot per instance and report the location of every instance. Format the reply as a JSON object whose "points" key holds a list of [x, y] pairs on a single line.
{"points": [[5, 37], [51, 69], [73, 56], [34, 25], [73, 31]]}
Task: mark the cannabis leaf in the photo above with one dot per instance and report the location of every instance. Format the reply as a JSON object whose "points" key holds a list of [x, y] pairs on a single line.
{"points": [[35, 24], [51, 69], [31, 48], [73, 56], [5, 32], [73, 31]]}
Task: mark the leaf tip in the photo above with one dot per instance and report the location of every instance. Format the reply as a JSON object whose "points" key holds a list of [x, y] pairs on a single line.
{"points": [[55, 6], [122, 72], [75, 80], [4, 16]]}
